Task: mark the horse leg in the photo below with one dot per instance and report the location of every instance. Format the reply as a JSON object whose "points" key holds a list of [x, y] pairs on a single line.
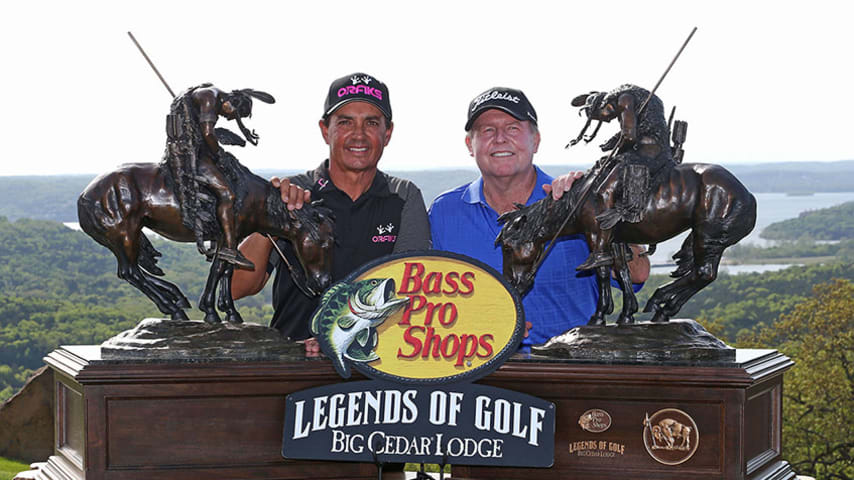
{"points": [[684, 258], [225, 302], [705, 259], [599, 242], [134, 275], [664, 295], [621, 268], [176, 297], [126, 250], [206, 301], [605, 303], [705, 272]]}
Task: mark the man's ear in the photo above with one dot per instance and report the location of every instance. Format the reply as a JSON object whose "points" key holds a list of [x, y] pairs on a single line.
{"points": [[324, 131], [388, 133], [536, 141], [468, 144]]}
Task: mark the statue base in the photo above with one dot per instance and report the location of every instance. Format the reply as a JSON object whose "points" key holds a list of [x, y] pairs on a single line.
{"points": [[186, 418], [156, 338], [676, 342]]}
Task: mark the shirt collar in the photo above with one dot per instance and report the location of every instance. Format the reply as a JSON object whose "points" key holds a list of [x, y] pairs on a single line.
{"points": [[538, 193], [322, 183], [474, 192]]}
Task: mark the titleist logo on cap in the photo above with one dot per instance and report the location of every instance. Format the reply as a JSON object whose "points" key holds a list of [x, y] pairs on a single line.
{"points": [[492, 95]]}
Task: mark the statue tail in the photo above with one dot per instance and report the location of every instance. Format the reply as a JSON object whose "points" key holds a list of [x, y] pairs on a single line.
{"points": [[148, 256]]}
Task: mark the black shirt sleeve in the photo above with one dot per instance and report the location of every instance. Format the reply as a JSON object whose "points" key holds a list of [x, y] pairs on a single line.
{"points": [[414, 225]]}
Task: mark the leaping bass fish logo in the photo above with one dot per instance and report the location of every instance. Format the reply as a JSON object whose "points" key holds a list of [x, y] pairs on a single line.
{"points": [[349, 314]]}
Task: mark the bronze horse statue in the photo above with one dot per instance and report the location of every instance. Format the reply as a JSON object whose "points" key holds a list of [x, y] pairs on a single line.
{"points": [[115, 207], [706, 199]]}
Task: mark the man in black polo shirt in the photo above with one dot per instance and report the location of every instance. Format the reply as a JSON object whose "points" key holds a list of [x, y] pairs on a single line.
{"points": [[375, 214]]}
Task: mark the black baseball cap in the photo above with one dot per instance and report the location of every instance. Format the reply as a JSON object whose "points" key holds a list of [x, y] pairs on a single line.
{"points": [[509, 100], [358, 87]]}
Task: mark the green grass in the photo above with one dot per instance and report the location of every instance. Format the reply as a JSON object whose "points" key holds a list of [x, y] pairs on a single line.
{"points": [[10, 468]]}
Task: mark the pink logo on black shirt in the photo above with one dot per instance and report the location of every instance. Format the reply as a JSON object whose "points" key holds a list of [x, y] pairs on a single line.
{"points": [[382, 230]]}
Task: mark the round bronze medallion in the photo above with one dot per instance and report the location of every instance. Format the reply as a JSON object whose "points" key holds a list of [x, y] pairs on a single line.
{"points": [[595, 420], [670, 436]]}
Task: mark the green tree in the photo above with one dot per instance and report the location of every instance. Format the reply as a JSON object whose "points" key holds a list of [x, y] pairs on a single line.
{"points": [[818, 404]]}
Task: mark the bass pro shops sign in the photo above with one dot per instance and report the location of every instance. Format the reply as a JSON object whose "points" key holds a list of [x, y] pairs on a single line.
{"points": [[422, 326]]}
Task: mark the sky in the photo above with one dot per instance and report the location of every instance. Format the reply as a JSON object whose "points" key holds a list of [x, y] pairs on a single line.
{"points": [[760, 81]]}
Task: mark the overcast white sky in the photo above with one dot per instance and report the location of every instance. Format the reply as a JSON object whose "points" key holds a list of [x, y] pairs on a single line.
{"points": [[759, 82]]}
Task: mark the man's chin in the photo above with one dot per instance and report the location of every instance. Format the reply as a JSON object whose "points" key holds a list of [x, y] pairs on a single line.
{"points": [[357, 163]]}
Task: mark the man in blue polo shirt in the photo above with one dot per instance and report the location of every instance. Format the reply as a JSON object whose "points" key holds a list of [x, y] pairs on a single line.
{"points": [[502, 136]]}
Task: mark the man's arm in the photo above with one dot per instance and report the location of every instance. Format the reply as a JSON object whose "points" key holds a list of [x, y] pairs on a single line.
{"points": [[257, 247], [639, 266]]}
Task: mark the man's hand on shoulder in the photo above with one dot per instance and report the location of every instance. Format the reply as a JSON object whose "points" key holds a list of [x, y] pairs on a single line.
{"points": [[562, 184], [292, 194]]}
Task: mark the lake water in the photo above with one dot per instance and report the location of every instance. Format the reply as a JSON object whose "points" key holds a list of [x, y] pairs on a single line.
{"points": [[770, 208]]}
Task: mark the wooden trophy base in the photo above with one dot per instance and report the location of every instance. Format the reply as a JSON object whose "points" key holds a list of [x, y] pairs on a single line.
{"points": [[192, 419], [713, 422]]}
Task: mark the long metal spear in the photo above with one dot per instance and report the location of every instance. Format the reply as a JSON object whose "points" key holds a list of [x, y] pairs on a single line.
{"points": [[605, 165], [150, 63]]}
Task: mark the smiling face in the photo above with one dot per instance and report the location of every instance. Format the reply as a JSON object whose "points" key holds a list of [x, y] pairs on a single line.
{"points": [[356, 135], [501, 145]]}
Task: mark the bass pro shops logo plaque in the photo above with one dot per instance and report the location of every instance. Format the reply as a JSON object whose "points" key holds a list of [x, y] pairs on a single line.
{"points": [[422, 326]]}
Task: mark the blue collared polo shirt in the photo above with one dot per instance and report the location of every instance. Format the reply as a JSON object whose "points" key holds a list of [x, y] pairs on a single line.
{"points": [[462, 222]]}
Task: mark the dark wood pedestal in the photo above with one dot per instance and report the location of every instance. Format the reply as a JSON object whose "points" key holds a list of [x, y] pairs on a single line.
{"points": [[736, 410], [134, 420]]}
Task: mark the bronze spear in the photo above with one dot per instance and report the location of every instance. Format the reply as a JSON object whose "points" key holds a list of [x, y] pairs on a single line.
{"points": [[150, 63]]}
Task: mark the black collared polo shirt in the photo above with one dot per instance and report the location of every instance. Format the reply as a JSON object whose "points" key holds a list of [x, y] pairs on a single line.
{"points": [[389, 217]]}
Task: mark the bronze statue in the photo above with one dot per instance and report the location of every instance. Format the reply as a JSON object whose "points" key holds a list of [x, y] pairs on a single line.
{"points": [[199, 193], [631, 207]]}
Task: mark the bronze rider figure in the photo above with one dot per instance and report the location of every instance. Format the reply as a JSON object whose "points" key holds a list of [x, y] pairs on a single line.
{"points": [[643, 157], [196, 160]]}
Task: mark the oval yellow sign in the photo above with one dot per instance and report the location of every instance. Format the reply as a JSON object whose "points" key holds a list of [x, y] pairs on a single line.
{"points": [[446, 318]]}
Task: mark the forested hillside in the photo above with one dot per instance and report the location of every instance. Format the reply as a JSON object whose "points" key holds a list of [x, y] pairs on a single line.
{"points": [[834, 223], [57, 286], [734, 304], [818, 398]]}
